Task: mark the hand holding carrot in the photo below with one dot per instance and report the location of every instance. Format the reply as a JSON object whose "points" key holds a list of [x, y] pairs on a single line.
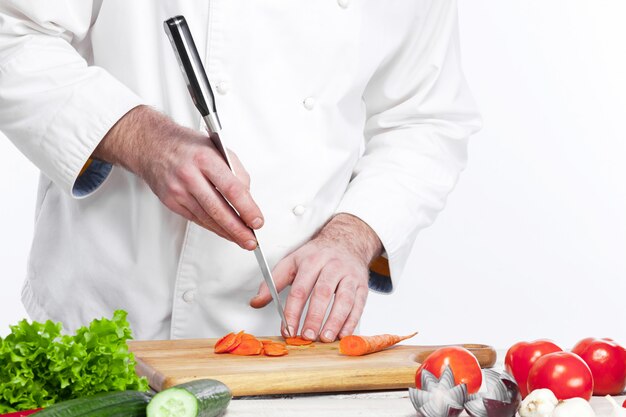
{"points": [[335, 262]]}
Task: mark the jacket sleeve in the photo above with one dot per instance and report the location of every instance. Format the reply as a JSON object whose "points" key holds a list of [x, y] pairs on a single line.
{"points": [[54, 107], [419, 116]]}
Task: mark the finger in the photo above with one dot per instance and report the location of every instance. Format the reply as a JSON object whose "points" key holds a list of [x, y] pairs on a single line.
{"points": [[283, 274], [221, 213], [240, 171], [355, 315], [342, 306], [183, 211], [236, 192], [301, 287], [201, 218], [320, 300]]}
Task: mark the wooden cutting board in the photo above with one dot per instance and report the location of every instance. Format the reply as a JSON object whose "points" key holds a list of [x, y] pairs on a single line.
{"points": [[314, 368]]}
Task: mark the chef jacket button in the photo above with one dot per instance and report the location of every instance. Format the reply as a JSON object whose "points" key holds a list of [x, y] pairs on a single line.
{"points": [[299, 210], [343, 3], [189, 296], [222, 87], [309, 103]]}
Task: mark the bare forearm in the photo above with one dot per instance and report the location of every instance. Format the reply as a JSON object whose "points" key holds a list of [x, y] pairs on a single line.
{"points": [[354, 234], [185, 170], [136, 136]]}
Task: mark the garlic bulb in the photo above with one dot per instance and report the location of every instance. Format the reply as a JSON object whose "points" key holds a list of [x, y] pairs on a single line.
{"points": [[573, 407], [539, 403], [617, 410]]}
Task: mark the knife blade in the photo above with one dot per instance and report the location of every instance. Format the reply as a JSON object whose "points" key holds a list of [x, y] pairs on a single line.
{"points": [[201, 93]]}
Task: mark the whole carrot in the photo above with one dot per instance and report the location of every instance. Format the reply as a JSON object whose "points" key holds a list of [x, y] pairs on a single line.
{"points": [[363, 345]]}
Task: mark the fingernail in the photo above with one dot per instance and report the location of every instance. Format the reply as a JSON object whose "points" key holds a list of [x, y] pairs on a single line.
{"points": [[328, 335], [309, 334], [290, 329], [250, 245], [257, 223]]}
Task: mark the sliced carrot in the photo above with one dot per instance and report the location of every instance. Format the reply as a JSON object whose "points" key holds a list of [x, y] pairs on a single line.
{"points": [[297, 341], [236, 342], [247, 336], [362, 345], [267, 341], [225, 343], [248, 347], [275, 349]]}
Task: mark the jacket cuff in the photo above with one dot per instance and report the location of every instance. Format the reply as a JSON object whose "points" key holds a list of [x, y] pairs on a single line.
{"points": [[370, 213], [100, 103], [92, 178]]}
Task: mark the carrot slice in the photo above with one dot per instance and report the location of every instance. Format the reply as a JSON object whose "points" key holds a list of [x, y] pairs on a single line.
{"points": [[297, 341], [267, 341], [248, 347], [247, 336], [363, 345], [236, 342], [222, 345], [275, 349]]}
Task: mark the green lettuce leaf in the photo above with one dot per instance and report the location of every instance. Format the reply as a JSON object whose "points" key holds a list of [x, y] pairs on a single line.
{"points": [[39, 366]]}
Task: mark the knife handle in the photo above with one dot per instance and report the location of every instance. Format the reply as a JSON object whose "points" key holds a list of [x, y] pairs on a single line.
{"points": [[186, 53]]}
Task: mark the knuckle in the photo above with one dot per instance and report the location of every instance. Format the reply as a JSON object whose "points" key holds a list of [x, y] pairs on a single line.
{"points": [[185, 173], [334, 324], [169, 201], [323, 290], [334, 264], [241, 234], [212, 209], [315, 316], [292, 316], [174, 190], [350, 325], [299, 293], [313, 259], [234, 189], [344, 296], [202, 158]]}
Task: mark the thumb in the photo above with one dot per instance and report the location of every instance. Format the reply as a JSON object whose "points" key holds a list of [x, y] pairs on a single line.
{"points": [[283, 274]]}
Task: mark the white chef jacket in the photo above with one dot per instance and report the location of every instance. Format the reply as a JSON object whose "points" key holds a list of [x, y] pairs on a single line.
{"points": [[332, 106]]}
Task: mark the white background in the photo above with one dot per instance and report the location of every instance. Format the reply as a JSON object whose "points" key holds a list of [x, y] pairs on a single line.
{"points": [[533, 241]]}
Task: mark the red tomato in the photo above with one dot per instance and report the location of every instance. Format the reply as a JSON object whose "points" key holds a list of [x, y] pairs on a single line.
{"points": [[564, 373], [607, 361], [624, 404], [521, 356], [464, 365]]}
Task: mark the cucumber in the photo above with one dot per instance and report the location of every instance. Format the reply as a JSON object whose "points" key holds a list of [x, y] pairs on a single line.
{"points": [[199, 398], [106, 404]]}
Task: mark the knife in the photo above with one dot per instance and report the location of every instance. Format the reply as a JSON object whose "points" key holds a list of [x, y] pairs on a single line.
{"points": [[198, 85]]}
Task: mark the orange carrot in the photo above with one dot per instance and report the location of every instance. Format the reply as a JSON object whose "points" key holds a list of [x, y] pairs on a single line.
{"points": [[236, 341], [225, 343], [297, 341], [248, 347], [275, 349], [362, 345], [267, 341], [247, 336]]}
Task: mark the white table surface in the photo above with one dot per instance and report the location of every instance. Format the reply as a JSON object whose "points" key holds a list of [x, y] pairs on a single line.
{"points": [[370, 404]]}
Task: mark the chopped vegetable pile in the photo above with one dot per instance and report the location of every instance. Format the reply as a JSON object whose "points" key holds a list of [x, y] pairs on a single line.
{"points": [[245, 344], [39, 366]]}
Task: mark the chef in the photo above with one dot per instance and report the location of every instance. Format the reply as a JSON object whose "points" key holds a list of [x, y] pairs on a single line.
{"points": [[347, 122]]}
